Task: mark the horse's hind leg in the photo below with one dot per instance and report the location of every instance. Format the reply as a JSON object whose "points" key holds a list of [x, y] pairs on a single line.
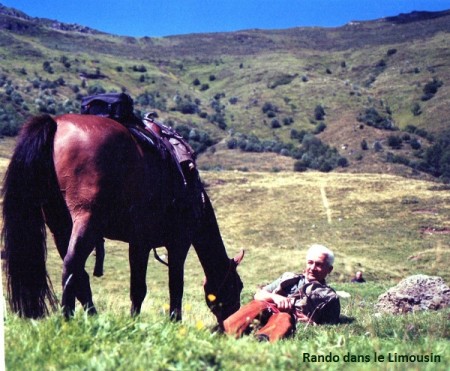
{"points": [[99, 257], [75, 279]]}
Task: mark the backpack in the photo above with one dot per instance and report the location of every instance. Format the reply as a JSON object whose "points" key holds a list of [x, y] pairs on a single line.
{"points": [[117, 106]]}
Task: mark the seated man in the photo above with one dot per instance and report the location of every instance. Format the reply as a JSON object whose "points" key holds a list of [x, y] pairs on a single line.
{"points": [[290, 299], [358, 278]]}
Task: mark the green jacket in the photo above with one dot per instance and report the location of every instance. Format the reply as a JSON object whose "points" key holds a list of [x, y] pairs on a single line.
{"points": [[318, 301]]}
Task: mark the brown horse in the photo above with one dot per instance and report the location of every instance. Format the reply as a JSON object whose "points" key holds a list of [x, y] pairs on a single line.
{"points": [[86, 178]]}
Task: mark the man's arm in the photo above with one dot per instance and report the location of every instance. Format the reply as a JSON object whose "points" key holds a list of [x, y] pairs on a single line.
{"points": [[283, 303]]}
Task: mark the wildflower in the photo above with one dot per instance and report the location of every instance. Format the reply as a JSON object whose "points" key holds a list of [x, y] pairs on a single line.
{"points": [[182, 331], [200, 325], [211, 298]]}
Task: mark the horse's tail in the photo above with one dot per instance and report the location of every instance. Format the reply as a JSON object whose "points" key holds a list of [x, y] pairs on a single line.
{"points": [[29, 175]]}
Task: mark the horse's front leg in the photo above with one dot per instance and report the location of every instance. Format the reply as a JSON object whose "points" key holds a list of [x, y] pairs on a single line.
{"points": [[177, 257], [138, 255]]}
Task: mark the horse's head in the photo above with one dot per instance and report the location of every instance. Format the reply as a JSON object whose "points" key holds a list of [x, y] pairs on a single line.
{"points": [[224, 297]]}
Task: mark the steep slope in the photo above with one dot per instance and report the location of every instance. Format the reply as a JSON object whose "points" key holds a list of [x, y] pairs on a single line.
{"points": [[263, 86]]}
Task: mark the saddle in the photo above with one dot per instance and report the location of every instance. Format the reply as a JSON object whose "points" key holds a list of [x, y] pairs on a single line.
{"points": [[149, 132]]}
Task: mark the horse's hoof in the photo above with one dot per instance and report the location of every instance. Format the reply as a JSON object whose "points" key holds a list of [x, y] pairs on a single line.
{"points": [[98, 273]]}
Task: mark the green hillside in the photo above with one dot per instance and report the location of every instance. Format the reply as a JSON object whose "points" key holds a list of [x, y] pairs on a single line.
{"points": [[377, 92]]}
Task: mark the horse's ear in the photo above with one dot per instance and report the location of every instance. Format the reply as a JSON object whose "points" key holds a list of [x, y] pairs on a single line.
{"points": [[238, 258]]}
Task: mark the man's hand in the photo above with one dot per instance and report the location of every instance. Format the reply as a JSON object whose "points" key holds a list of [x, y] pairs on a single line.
{"points": [[283, 304]]}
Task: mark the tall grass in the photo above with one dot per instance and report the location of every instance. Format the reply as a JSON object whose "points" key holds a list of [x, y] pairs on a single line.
{"points": [[373, 222]]}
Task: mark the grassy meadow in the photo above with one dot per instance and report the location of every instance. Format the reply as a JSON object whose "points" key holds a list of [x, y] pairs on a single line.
{"points": [[389, 227]]}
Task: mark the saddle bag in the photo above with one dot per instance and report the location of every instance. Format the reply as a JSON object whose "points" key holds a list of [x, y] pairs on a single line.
{"points": [[117, 106]]}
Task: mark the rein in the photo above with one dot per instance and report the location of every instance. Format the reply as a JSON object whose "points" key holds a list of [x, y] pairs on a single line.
{"points": [[220, 287], [158, 258]]}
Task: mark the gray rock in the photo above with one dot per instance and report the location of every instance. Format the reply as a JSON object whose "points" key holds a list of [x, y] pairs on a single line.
{"points": [[415, 293]]}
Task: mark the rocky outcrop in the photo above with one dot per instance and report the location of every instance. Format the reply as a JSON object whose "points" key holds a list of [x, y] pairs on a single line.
{"points": [[415, 293]]}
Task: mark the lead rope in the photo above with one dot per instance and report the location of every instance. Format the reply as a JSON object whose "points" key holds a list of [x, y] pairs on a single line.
{"points": [[158, 258]]}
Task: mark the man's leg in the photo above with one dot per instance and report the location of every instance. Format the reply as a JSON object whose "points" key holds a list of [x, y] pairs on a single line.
{"points": [[239, 321], [280, 325]]}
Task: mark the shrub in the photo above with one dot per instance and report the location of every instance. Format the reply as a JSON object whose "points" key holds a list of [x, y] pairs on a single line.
{"points": [[275, 124], [288, 121], [430, 89], [371, 117], [391, 52], [299, 135], [396, 159], [377, 146], [416, 109], [96, 89], [319, 113], [300, 166], [283, 79], [140, 68], [415, 144], [219, 119], [269, 107], [394, 142], [364, 145], [321, 126], [196, 82], [47, 67], [187, 108]]}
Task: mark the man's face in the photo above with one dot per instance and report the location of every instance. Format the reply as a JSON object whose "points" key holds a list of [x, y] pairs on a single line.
{"points": [[317, 267]]}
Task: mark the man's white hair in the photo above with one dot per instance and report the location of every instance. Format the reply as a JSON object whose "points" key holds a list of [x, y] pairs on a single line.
{"points": [[321, 249]]}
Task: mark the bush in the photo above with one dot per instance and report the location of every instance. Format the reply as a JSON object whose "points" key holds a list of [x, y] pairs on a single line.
{"points": [[140, 68], [300, 166], [372, 118], [187, 108], [275, 124], [47, 67], [319, 128], [377, 146], [416, 109], [395, 142], [299, 135], [269, 107], [288, 121], [391, 52], [415, 144], [430, 89], [319, 113], [396, 159], [364, 145]]}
